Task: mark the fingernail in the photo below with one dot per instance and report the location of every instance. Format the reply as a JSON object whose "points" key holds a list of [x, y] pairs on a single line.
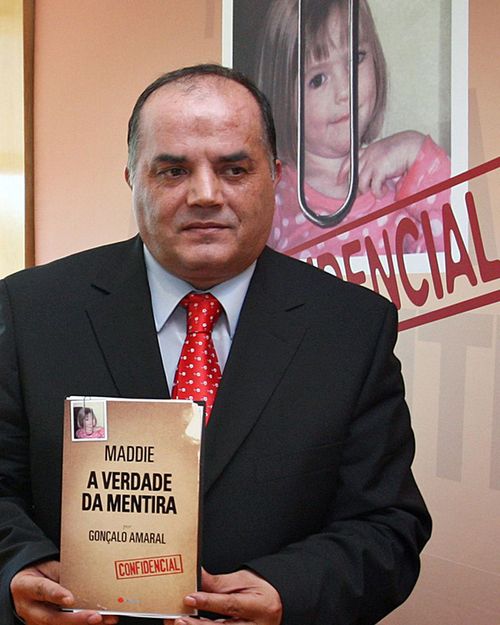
{"points": [[180, 621], [189, 600]]}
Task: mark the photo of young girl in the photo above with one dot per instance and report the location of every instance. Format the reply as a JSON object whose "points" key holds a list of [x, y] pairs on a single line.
{"points": [[86, 424], [390, 167]]}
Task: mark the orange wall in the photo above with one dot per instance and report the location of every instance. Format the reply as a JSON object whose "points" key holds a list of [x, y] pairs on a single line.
{"points": [[92, 59], [11, 138]]}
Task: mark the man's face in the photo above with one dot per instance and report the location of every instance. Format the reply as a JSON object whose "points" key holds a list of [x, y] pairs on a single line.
{"points": [[203, 190]]}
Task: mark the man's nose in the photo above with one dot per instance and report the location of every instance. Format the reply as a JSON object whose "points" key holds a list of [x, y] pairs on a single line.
{"points": [[205, 189]]}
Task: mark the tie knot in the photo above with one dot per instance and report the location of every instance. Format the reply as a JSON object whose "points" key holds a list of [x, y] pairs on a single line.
{"points": [[203, 310]]}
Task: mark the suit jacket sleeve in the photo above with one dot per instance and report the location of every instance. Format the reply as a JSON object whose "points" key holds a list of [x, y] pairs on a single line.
{"points": [[365, 561], [22, 542]]}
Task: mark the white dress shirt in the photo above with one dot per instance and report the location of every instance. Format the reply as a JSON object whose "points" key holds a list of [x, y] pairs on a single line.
{"points": [[170, 319]]}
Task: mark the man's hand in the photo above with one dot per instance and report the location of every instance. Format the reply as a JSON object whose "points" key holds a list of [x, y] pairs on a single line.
{"points": [[37, 598], [243, 596]]}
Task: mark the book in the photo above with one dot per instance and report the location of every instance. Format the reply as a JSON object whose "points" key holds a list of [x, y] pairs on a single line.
{"points": [[130, 504]]}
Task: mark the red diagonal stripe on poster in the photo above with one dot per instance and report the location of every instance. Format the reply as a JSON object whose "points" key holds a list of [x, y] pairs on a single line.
{"points": [[449, 311], [395, 206]]}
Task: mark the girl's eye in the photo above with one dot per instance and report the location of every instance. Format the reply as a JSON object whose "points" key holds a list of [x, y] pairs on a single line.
{"points": [[317, 80]]}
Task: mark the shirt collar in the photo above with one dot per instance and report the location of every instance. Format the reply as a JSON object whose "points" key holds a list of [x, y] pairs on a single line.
{"points": [[167, 290]]}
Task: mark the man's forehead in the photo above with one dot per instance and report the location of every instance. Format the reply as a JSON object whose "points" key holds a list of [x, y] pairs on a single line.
{"points": [[213, 107], [210, 113], [202, 90]]}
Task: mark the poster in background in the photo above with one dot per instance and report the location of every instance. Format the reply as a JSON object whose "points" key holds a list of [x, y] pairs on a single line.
{"points": [[409, 138], [440, 84]]}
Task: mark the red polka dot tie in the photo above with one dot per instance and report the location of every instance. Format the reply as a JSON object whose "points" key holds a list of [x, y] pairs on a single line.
{"points": [[198, 373]]}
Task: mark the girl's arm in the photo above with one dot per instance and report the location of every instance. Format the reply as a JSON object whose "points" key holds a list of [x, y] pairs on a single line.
{"points": [[390, 157]]}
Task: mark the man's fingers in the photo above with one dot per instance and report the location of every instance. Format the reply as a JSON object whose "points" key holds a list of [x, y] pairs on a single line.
{"points": [[43, 614], [37, 597], [239, 581], [239, 605], [217, 583], [242, 596], [192, 620], [29, 586], [48, 568]]}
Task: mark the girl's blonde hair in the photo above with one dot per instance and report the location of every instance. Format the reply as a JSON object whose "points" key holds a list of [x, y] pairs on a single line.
{"points": [[277, 64], [82, 413]]}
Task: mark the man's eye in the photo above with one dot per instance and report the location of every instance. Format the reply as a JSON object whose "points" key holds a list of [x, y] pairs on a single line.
{"points": [[361, 56], [172, 172], [234, 171], [317, 80]]}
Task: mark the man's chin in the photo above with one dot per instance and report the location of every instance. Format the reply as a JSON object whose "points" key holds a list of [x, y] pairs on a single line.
{"points": [[207, 269]]}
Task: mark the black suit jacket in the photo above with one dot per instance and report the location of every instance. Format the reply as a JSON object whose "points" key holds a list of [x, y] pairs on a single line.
{"points": [[307, 475]]}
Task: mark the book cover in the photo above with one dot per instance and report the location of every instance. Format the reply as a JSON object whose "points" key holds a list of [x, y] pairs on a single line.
{"points": [[130, 504]]}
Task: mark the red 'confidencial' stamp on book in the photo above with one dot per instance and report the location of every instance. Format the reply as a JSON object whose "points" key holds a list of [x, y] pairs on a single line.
{"points": [[149, 567]]}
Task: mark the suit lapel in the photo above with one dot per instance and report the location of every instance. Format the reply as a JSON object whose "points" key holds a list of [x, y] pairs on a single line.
{"points": [[122, 320], [269, 332], [268, 335]]}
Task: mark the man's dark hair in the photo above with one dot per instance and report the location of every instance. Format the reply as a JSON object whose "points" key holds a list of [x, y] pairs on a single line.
{"points": [[186, 75]]}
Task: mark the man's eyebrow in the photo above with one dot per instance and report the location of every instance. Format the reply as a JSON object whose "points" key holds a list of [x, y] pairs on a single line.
{"points": [[234, 157], [177, 159], [169, 158]]}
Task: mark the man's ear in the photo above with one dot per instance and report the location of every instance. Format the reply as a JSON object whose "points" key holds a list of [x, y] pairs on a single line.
{"points": [[128, 177]]}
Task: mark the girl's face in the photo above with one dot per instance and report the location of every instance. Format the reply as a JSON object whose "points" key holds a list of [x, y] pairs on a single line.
{"points": [[88, 423], [326, 93]]}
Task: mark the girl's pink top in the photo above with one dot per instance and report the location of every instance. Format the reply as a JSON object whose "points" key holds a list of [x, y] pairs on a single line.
{"points": [[97, 433], [291, 227]]}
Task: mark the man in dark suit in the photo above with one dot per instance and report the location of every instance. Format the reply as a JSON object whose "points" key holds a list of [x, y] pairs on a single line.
{"points": [[311, 514]]}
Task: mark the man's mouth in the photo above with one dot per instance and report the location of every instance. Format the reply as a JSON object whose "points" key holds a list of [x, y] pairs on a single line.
{"points": [[205, 225]]}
